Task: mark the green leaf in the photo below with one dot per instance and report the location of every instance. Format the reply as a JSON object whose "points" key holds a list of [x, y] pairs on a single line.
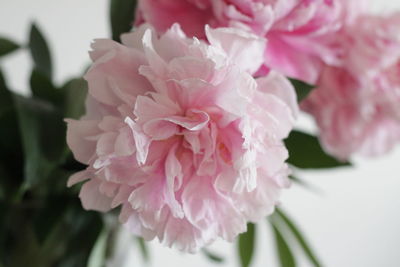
{"points": [[25, 250], [9, 128], [285, 255], [4, 228], [305, 152], [97, 257], [302, 89], [9, 131], [143, 249], [11, 158], [40, 52], [75, 92], [6, 100], [247, 245], [84, 228], [297, 181], [4, 177], [43, 138], [47, 217], [43, 88], [50, 127], [212, 256], [122, 14], [7, 46], [299, 237]]}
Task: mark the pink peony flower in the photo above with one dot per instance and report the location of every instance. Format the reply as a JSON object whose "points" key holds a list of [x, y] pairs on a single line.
{"points": [[299, 32], [179, 134], [357, 106]]}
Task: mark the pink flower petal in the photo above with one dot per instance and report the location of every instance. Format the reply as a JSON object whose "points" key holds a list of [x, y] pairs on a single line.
{"points": [[92, 198]]}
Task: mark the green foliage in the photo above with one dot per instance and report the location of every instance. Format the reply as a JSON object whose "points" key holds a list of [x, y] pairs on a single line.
{"points": [[305, 152], [6, 101], [285, 254], [287, 234], [246, 245], [122, 14], [50, 213], [298, 236], [40, 52], [42, 88], [74, 92], [143, 249], [212, 256], [84, 228], [43, 138], [11, 158], [62, 245], [98, 255], [36, 207], [302, 89], [7, 46]]}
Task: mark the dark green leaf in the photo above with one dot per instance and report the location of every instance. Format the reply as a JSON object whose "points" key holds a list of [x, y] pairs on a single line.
{"points": [[49, 215], [84, 228], [299, 237], [97, 256], [40, 52], [51, 130], [75, 92], [4, 178], [122, 13], [247, 245], [11, 158], [285, 255], [43, 138], [143, 249], [297, 180], [302, 89], [7, 46], [43, 88], [26, 250], [305, 152], [35, 166], [4, 229], [8, 120], [212, 256], [9, 132], [5, 95]]}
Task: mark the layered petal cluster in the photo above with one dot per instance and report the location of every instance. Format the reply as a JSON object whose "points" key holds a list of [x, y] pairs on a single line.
{"points": [[357, 106], [180, 135], [299, 32]]}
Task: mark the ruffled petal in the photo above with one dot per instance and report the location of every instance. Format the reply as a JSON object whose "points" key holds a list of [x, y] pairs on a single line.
{"points": [[92, 198]]}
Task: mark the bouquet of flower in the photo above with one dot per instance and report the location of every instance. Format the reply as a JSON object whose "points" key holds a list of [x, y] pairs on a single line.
{"points": [[182, 129]]}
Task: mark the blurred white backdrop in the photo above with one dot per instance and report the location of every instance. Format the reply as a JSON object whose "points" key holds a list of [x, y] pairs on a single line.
{"points": [[353, 220]]}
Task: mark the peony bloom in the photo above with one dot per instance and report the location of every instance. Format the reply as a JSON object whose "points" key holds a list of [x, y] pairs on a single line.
{"points": [[179, 134], [357, 106], [299, 32]]}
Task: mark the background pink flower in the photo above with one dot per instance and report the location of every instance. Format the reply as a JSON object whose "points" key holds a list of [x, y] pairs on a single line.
{"points": [[357, 106], [299, 32], [180, 135]]}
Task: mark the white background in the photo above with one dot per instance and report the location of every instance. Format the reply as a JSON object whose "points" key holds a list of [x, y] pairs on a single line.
{"points": [[352, 221]]}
